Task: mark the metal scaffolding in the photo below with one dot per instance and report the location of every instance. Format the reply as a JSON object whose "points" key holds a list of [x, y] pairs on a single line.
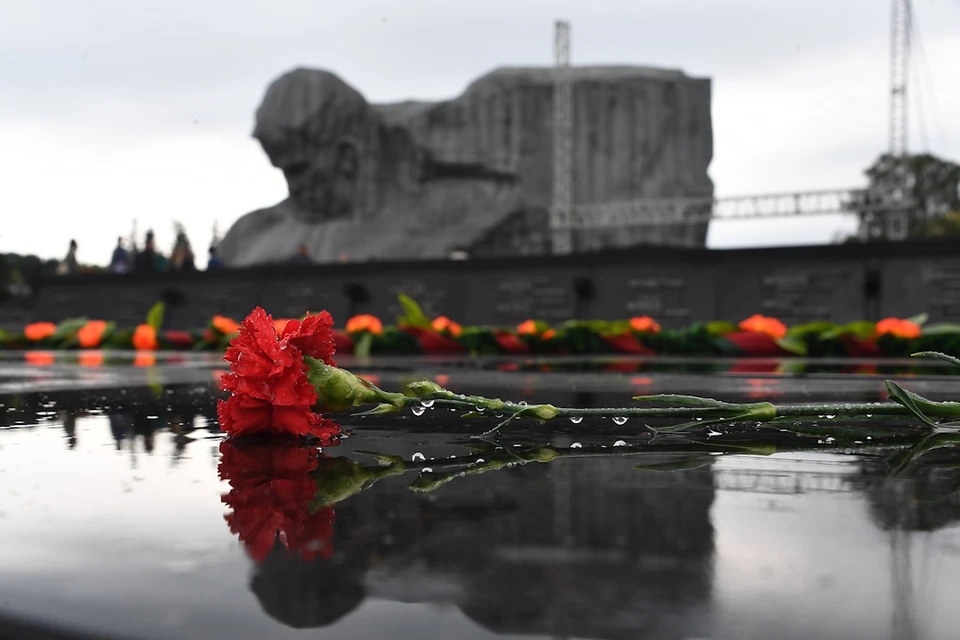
{"points": [[660, 211]]}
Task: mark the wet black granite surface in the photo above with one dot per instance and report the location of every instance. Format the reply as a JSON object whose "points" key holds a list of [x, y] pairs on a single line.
{"points": [[114, 520]]}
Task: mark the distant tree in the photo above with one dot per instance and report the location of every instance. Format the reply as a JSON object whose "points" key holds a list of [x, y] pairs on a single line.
{"points": [[19, 274], [944, 226], [933, 184]]}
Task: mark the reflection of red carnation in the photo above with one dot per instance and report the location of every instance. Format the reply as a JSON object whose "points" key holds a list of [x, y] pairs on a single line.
{"points": [[270, 494], [268, 380]]}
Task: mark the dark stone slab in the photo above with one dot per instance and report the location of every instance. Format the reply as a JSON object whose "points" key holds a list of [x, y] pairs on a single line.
{"points": [[795, 293], [917, 286], [675, 294], [543, 294]]}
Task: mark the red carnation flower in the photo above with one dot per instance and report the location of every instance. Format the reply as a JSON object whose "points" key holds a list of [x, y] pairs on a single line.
{"points": [[268, 377], [313, 336], [270, 494]]}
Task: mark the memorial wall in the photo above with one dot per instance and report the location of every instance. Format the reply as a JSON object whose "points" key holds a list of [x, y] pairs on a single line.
{"points": [[676, 286]]}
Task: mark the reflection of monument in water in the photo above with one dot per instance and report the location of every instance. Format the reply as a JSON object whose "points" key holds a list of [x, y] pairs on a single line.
{"points": [[926, 499], [586, 548], [421, 179]]}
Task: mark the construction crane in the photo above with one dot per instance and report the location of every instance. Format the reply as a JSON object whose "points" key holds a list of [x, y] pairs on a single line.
{"points": [[562, 205], [884, 211], [899, 74], [896, 225]]}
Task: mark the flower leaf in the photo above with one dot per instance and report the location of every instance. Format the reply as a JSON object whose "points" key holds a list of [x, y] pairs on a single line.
{"points": [[698, 424], [863, 329], [685, 401], [811, 328], [919, 319], [937, 355], [794, 344], [941, 329], [361, 348], [720, 327], [379, 409], [68, 328], [155, 316], [678, 463], [901, 396], [383, 459], [413, 315]]}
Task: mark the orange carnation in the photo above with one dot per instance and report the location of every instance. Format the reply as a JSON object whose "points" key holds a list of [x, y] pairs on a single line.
{"points": [[365, 322], [764, 324], [90, 359], [549, 334], [39, 358], [225, 325], [528, 328], [899, 328], [145, 338], [39, 330], [644, 324], [443, 323], [91, 334], [145, 360]]}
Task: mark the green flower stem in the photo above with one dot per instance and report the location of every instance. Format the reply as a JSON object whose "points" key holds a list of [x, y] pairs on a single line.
{"points": [[698, 411], [338, 390], [758, 412]]}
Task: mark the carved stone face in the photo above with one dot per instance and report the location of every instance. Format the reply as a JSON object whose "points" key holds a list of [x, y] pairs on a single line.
{"points": [[322, 179], [312, 126]]}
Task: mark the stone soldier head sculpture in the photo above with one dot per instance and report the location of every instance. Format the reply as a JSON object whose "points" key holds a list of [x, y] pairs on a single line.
{"points": [[419, 179], [318, 131]]}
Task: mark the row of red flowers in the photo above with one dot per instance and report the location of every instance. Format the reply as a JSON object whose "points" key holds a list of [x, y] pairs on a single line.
{"points": [[365, 334]]}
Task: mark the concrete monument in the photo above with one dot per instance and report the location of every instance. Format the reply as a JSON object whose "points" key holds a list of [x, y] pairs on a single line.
{"points": [[422, 180]]}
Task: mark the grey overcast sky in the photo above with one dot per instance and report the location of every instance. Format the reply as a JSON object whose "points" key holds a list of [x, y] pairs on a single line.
{"points": [[112, 110]]}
